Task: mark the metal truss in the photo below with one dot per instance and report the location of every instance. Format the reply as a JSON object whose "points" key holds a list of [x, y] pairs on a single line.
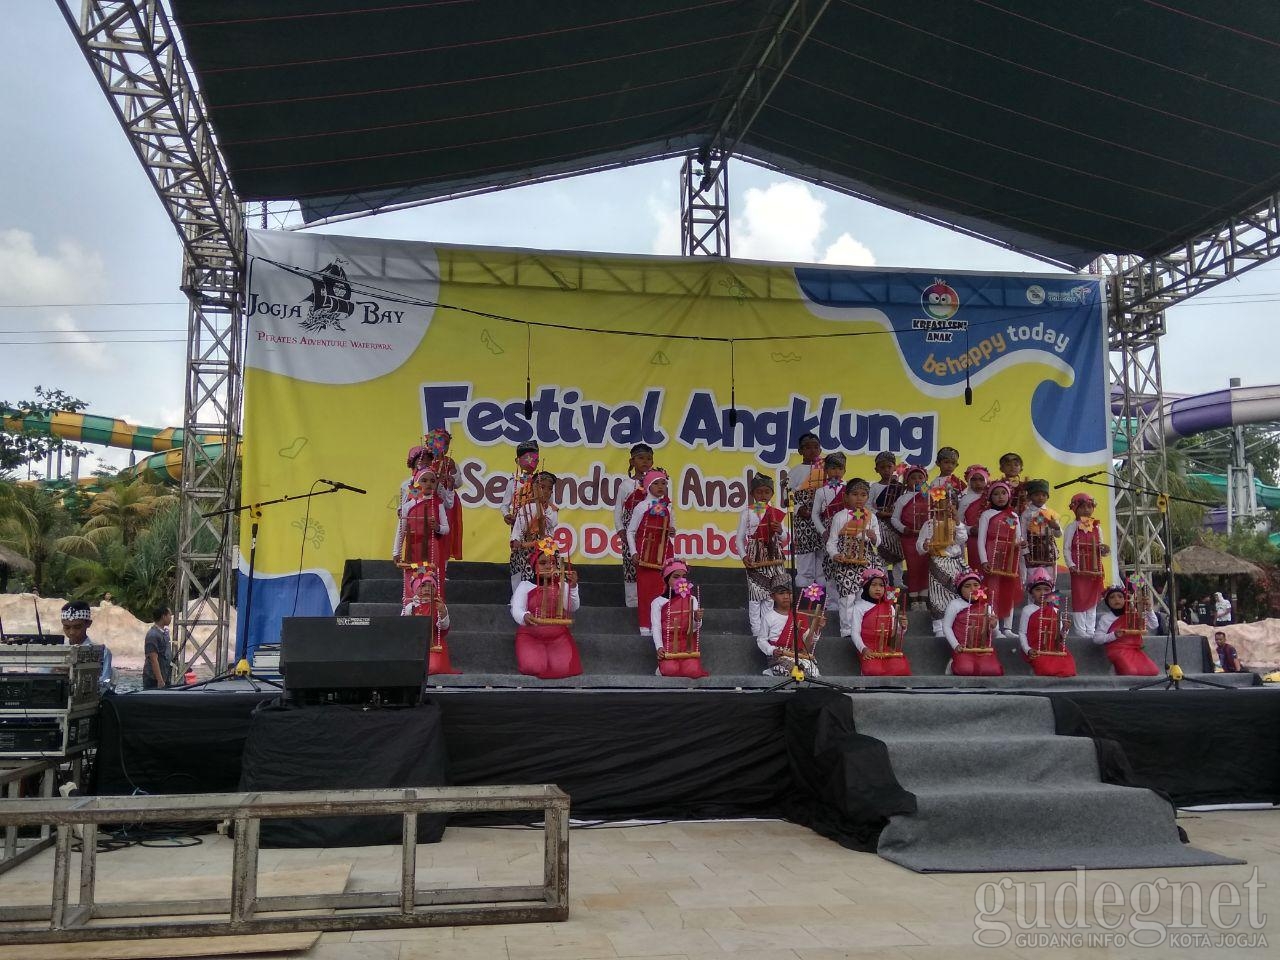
{"points": [[133, 50], [704, 205]]}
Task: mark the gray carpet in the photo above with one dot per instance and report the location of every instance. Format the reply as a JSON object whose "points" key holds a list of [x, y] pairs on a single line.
{"points": [[998, 790]]}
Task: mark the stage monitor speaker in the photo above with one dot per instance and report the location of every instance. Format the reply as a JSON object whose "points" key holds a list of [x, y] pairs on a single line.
{"points": [[341, 655]]}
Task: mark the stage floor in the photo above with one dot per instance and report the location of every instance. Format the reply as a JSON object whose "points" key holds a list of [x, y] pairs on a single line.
{"points": [[763, 890]]}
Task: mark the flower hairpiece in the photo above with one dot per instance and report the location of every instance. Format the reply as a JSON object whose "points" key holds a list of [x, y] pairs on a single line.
{"points": [[979, 596], [813, 592], [683, 588], [547, 547], [937, 494], [891, 596]]}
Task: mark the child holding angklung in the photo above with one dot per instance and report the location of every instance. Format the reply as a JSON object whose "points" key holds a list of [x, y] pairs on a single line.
{"points": [[425, 602], [1041, 528], [852, 538], [534, 521], [520, 490], [543, 607], [423, 526], [909, 516], [972, 502], [786, 634], [827, 502], [630, 493], [1126, 615], [969, 626], [1042, 632], [760, 546], [947, 459], [884, 494], [1000, 551], [650, 535], [438, 442], [942, 541], [878, 628], [803, 483], [676, 617], [1083, 550], [1011, 473]]}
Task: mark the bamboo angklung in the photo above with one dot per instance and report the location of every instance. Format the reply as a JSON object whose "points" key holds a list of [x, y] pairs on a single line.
{"points": [[552, 608], [977, 633], [679, 637], [853, 546]]}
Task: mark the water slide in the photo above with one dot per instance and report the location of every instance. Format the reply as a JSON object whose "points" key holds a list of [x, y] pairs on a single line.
{"points": [[164, 444]]}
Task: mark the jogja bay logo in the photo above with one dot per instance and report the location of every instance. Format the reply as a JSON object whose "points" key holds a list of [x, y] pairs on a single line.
{"points": [[940, 300], [330, 302]]}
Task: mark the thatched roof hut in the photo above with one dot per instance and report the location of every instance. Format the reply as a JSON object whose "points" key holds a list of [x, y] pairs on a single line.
{"points": [[16, 562], [1200, 561]]}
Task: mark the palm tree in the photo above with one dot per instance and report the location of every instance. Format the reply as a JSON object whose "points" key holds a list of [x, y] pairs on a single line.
{"points": [[34, 523], [123, 509]]}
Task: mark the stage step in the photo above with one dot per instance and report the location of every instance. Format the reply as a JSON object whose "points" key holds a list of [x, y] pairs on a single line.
{"points": [[592, 594], [998, 790]]}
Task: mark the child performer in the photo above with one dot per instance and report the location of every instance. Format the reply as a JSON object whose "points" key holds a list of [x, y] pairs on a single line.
{"points": [[972, 502], [533, 522], [546, 650], [1124, 619], [828, 500], [1041, 527], [520, 489], [1041, 633], [851, 549], [630, 492], [999, 550], [803, 483], [878, 628], [779, 632], [909, 515], [942, 542], [1083, 549], [968, 627], [1011, 473], [884, 494], [425, 603], [438, 442], [760, 546], [423, 528], [650, 534], [677, 620], [947, 460]]}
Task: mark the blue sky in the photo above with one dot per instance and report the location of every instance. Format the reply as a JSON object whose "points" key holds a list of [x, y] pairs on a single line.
{"points": [[80, 224]]}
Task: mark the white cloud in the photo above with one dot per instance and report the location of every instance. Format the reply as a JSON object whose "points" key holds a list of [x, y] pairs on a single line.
{"points": [[666, 240], [84, 353], [848, 252], [70, 275], [781, 222]]}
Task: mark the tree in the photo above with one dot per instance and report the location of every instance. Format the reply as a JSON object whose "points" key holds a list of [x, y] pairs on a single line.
{"points": [[19, 449], [34, 522], [123, 509], [140, 577]]}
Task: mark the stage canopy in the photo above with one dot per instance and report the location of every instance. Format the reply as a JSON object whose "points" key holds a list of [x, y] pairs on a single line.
{"points": [[1064, 130]]}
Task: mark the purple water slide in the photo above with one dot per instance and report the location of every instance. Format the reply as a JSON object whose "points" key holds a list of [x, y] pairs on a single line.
{"points": [[1185, 416]]}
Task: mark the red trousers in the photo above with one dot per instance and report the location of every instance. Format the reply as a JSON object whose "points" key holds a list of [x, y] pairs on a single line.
{"points": [[1085, 593], [690, 667], [884, 666], [1063, 665], [917, 564], [967, 664], [649, 587], [438, 661], [1127, 657], [1003, 593], [547, 652]]}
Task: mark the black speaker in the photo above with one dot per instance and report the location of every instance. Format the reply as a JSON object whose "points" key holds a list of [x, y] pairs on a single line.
{"points": [[349, 659]]}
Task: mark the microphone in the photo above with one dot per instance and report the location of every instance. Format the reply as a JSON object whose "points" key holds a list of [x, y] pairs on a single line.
{"points": [[342, 486], [1087, 476]]}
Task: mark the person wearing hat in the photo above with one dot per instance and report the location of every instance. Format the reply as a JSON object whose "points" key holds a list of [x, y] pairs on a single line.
{"points": [[425, 602], [1040, 631], [803, 484], [651, 538], [884, 494], [534, 520], [1000, 551], [423, 528], [760, 546], [909, 516], [947, 459], [972, 502], [783, 630], [852, 542], [1119, 631], [630, 493], [77, 618], [520, 489], [968, 627], [943, 552], [1041, 527], [1083, 550], [546, 650], [877, 626], [676, 617], [438, 442]]}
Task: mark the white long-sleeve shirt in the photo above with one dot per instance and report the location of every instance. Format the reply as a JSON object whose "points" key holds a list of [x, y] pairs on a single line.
{"points": [[771, 626], [837, 526], [406, 505], [898, 506], [1024, 622], [983, 525], [520, 599], [442, 619], [798, 476], [954, 609], [655, 618], [966, 499], [625, 489], [524, 519], [1106, 618], [860, 609], [821, 500], [954, 549], [748, 524], [637, 516]]}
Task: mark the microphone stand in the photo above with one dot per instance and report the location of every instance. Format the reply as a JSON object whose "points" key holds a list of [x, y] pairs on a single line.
{"points": [[798, 675], [1174, 676], [255, 516]]}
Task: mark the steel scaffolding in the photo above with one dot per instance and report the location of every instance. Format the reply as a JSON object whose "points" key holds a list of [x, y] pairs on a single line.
{"points": [[133, 51]]}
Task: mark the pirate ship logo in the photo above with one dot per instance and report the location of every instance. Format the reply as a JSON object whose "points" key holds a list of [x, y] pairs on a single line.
{"points": [[330, 300]]}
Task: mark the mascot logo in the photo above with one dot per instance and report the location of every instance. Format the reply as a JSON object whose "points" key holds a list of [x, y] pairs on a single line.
{"points": [[940, 301]]}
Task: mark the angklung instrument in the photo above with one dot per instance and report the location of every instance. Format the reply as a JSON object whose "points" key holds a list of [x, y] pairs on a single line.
{"points": [[889, 636], [1041, 551], [680, 626], [1002, 553], [1086, 547], [977, 637], [806, 624], [853, 545], [763, 548], [942, 514], [651, 543], [1048, 634], [550, 606]]}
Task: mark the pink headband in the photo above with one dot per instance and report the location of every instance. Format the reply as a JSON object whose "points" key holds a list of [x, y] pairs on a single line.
{"points": [[675, 564], [653, 475], [977, 470]]}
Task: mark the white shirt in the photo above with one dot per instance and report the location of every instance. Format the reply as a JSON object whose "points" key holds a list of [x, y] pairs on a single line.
{"points": [[898, 506], [1103, 634], [1024, 621], [771, 625], [954, 549], [442, 619], [797, 477], [626, 488], [748, 524], [859, 614], [966, 499], [821, 500], [983, 524], [509, 495], [954, 609], [637, 516], [520, 600], [655, 618], [446, 496], [524, 519], [837, 525]]}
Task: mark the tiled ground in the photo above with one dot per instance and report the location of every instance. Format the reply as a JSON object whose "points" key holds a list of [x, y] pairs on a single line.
{"points": [[747, 890]]}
